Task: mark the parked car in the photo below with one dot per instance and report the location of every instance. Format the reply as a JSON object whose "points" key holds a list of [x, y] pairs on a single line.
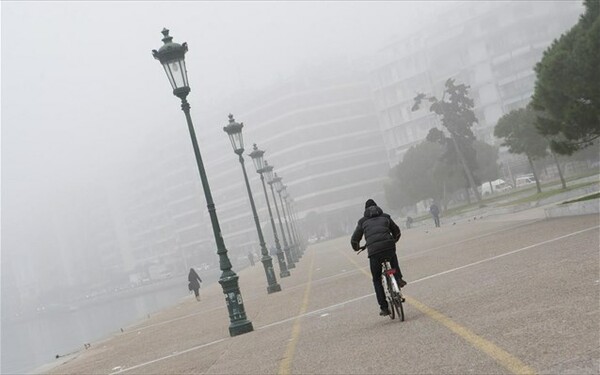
{"points": [[498, 186], [524, 180]]}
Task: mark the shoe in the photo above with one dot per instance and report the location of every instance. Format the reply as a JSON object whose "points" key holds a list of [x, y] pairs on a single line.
{"points": [[384, 312], [198, 298], [401, 283]]}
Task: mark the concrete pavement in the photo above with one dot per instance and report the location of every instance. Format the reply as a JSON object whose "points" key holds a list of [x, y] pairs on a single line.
{"points": [[502, 294]]}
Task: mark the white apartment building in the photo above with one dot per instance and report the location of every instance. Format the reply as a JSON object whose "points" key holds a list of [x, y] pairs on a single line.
{"points": [[490, 46]]}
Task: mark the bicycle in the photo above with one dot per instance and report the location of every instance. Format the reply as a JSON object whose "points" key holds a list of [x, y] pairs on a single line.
{"points": [[393, 294]]}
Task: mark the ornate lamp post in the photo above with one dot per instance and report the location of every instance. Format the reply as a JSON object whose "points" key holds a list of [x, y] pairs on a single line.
{"points": [[257, 158], [301, 234], [293, 244], [234, 130], [286, 197], [268, 171], [172, 57]]}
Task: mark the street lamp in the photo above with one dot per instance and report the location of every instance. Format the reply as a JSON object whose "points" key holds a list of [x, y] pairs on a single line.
{"points": [[172, 57], [234, 130], [268, 171], [257, 158], [299, 231], [293, 245], [286, 197]]}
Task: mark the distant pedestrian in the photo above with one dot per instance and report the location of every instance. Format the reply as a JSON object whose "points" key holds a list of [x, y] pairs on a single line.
{"points": [[435, 212], [409, 221], [251, 258], [194, 283]]}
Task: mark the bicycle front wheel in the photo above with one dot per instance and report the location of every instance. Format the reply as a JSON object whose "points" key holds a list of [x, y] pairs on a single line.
{"points": [[398, 306]]}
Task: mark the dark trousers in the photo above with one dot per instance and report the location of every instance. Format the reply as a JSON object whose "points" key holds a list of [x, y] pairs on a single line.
{"points": [[436, 220], [375, 263], [197, 292]]}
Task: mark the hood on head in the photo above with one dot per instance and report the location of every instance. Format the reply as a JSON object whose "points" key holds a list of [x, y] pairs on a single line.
{"points": [[373, 211], [369, 203]]}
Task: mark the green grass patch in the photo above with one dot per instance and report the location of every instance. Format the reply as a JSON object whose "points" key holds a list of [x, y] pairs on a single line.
{"points": [[586, 198], [491, 200], [546, 194]]}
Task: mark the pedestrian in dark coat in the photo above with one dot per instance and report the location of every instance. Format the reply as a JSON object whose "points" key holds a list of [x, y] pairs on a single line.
{"points": [[194, 283], [435, 212], [381, 234]]}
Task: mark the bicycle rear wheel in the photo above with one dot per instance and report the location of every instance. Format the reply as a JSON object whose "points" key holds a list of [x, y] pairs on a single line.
{"points": [[390, 298]]}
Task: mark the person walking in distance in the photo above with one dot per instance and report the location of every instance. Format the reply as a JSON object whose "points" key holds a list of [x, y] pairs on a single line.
{"points": [[435, 212], [381, 235], [194, 283]]}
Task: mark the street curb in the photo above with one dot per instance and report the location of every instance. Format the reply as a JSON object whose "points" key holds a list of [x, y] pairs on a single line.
{"points": [[574, 209]]}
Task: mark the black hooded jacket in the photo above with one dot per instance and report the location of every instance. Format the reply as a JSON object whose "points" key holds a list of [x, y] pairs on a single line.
{"points": [[380, 231]]}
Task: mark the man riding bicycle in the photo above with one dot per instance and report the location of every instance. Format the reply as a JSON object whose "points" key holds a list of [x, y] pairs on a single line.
{"points": [[381, 235]]}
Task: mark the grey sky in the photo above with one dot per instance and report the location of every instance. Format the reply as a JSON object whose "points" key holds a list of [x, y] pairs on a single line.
{"points": [[80, 86]]}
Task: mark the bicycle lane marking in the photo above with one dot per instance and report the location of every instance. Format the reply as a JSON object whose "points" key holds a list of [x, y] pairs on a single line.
{"points": [[286, 363], [504, 358]]}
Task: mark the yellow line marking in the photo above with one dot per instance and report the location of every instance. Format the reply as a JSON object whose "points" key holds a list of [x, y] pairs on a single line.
{"points": [[286, 363], [501, 356], [505, 359]]}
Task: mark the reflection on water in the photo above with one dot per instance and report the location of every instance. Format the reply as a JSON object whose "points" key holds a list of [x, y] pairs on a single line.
{"points": [[28, 344]]}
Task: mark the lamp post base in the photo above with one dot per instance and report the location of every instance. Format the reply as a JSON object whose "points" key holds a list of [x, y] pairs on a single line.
{"points": [[235, 304], [284, 274], [240, 327], [288, 257], [273, 288]]}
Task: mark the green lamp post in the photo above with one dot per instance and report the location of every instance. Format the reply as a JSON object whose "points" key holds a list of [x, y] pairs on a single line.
{"points": [[234, 131], [172, 57], [268, 171], [257, 158], [300, 233], [285, 195], [277, 182]]}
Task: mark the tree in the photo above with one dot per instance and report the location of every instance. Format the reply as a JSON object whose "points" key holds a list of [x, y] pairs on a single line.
{"points": [[396, 198], [414, 176], [521, 137], [567, 87], [457, 117], [424, 173], [487, 161]]}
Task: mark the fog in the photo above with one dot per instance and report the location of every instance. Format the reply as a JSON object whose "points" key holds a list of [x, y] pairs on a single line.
{"points": [[81, 91]]}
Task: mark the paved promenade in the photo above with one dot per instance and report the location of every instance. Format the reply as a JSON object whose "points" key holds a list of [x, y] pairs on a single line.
{"points": [[502, 294]]}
